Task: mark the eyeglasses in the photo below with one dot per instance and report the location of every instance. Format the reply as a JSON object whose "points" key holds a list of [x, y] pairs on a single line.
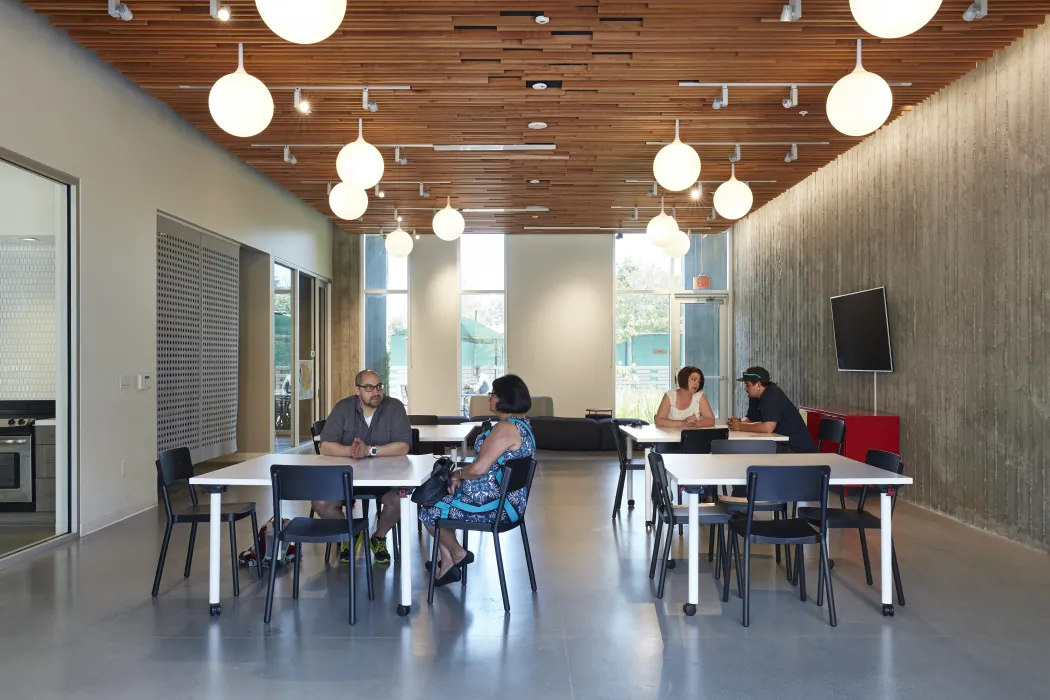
{"points": [[370, 388]]}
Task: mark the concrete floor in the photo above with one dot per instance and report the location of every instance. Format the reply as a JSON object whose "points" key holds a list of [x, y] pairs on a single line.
{"points": [[78, 621]]}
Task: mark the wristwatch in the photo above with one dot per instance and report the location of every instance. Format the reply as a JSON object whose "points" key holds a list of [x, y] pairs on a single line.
{"points": [[373, 451]]}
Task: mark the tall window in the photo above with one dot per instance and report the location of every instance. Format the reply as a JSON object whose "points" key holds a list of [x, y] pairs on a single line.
{"points": [[283, 315], [669, 314], [386, 317], [483, 305]]}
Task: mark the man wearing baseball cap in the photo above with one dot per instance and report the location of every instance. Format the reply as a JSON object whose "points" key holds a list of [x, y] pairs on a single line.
{"points": [[769, 410]]}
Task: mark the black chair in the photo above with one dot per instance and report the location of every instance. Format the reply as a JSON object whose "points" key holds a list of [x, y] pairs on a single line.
{"points": [[667, 513], [315, 432], [697, 441], [517, 473], [423, 420], [833, 430], [784, 484], [626, 465], [175, 466], [315, 483], [861, 520], [735, 501]]}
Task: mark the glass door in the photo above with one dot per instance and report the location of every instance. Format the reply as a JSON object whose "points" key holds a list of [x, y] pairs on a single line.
{"points": [[700, 334], [283, 318], [306, 365]]}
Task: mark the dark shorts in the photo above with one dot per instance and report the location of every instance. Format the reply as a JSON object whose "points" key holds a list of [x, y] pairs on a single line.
{"points": [[374, 491]]}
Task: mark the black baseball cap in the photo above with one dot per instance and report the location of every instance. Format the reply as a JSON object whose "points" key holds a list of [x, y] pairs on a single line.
{"points": [[755, 374]]}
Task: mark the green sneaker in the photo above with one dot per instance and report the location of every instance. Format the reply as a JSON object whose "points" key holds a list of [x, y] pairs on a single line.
{"points": [[379, 550], [344, 553]]}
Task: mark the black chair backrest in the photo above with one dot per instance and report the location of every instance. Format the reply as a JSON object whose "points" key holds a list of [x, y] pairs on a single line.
{"points": [[743, 447], [174, 466], [788, 484], [423, 420], [698, 441], [415, 447], [517, 474], [831, 430], [883, 460], [661, 484], [293, 482], [315, 432], [619, 440]]}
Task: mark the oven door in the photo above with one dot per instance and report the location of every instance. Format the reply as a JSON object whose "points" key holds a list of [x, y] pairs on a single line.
{"points": [[16, 470]]}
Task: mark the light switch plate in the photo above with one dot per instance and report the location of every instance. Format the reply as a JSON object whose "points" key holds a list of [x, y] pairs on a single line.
{"points": [[125, 381]]}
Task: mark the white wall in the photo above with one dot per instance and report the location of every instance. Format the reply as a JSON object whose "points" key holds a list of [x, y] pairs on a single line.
{"points": [[433, 335], [560, 318], [133, 157]]}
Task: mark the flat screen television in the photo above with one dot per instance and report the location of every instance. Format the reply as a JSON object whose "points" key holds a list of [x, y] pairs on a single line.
{"points": [[862, 331]]}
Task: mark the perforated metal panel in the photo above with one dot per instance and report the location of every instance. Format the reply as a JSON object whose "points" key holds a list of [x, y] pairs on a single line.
{"points": [[197, 329]]}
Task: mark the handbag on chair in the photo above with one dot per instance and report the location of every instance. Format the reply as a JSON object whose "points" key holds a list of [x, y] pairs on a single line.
{"points": [[436, 486]]}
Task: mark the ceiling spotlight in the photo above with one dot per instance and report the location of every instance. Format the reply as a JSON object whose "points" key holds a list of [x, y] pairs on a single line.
{"points": [[367, 104], [792, 155], [424, 193], [976, 10], [542, 19], [302, 106], [722, 101], [711, 216], [397, 216], [220, 12], [653, 192], [539, 86], [289, 157], [537, 125], [792, 12], [379, 193], [120, 11], [417, 236], [535, 182], [792, 99], [695, 193], [398, 158]]}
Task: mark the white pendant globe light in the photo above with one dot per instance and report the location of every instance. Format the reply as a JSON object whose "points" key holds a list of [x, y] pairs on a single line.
{"points": [[677, 165], [661, 227], [448, 223], [892, 19], [733, 198], [860, 102], [239, 103], [348, 202], [302, 21], [678, 245], [359, 163], [399, 243]]}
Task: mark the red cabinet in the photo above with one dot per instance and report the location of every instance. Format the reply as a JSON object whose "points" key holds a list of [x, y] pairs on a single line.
{"points": [[864, 430]]}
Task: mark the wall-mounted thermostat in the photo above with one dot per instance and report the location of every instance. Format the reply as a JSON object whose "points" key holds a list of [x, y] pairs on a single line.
{"points": [[144, 382]]}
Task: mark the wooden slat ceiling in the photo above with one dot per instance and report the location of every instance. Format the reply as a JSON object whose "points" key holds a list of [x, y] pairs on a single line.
{"points": [[467, 62]]}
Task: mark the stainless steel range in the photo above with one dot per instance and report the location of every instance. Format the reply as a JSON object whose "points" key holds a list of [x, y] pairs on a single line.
{"points": [[18, 452]]}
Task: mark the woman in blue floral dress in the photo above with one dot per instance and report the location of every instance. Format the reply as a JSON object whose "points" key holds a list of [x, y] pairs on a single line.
{"points": [[474, 491]]}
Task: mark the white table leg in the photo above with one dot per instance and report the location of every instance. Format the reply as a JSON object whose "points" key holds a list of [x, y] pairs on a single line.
{"points": [[886, 515], [647, 494], [630, 476], [214, 545], [408, 525], [693, 500]]}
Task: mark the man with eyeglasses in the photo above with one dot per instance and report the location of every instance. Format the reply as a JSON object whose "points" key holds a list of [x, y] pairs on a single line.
{"points": [[369, 424]]}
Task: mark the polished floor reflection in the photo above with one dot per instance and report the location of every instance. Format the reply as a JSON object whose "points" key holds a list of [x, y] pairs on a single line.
{"points": [[78, 622]]}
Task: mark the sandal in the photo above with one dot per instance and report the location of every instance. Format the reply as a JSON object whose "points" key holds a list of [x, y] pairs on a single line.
{"points": [[468, 559]]}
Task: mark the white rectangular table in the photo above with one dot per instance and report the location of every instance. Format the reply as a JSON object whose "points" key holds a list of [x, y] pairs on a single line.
{"points": [[404, 473], [442, 434], [650, 435], [731, 470]]}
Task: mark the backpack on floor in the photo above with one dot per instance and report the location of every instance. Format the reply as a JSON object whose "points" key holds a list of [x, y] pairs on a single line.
{"points": [[286, 555]]}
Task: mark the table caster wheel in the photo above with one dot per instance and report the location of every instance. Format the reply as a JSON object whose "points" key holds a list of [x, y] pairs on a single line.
{"points": [[215, 609], [689, 609], [670, 563], [403, 610], [630, 503], [887, 610]]}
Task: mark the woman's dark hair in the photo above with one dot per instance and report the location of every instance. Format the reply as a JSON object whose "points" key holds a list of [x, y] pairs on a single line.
{"points": [[685, 373], [512, 393]]}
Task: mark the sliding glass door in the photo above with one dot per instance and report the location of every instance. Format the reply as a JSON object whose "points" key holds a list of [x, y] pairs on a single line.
{"points": [[700, 333]]}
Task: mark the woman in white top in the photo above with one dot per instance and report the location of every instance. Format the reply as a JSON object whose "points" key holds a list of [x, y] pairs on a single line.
{"points": [[686, 406]]}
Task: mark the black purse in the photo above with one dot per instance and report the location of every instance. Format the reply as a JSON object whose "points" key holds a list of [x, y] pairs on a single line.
{"points": [[436, 486]]}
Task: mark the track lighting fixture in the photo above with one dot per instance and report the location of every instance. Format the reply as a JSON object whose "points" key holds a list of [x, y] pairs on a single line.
{"points": [[301, 105], [734, 157], [653, 191], [722, 101], [977, 10], [367, 104], [792, 12], [289, 157], [398, 158], [697, 192], [397, 215], [423, 192], [220, 12], [792, 155], [711, 216], [792, 99], [634, 216], [379, 193], [119, 10]]}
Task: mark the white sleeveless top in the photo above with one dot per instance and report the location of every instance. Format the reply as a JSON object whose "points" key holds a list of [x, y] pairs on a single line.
{"points": [[679, 414]]}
